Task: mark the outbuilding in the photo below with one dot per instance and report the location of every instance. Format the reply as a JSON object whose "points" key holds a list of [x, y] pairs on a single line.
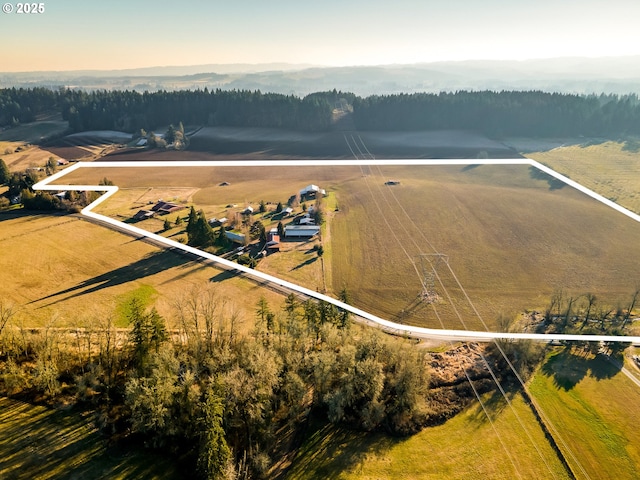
{"points": [[310, 191], [301, 231]]}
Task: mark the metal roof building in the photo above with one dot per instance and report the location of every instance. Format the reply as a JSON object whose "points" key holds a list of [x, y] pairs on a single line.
{"points": [[301, 231]]}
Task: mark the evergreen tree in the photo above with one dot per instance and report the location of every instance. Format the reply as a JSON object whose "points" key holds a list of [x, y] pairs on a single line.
{"points": [[148, 331], [191, 222], [214, 455], [5, 174]]}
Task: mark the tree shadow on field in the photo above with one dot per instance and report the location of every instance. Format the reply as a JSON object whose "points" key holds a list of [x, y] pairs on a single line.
{"points": [[150, 265], [570, 366], [330, 450], [554, 183], [305, 263], [494, 403], [224, 275], [39, 442]]}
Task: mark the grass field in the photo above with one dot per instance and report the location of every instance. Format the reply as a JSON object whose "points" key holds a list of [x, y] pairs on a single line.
{"points": [[512, 235], [66, 270], [610, 168], [595, 409], [42, 443], [467, 446]]}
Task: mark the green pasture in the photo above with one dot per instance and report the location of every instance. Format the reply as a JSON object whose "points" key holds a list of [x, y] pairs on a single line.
{"points": [[609, 168], [594, 410], [466, 446]]}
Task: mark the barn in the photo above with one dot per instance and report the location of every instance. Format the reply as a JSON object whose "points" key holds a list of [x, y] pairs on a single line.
{"points": [[301, 231], [310, 191]]}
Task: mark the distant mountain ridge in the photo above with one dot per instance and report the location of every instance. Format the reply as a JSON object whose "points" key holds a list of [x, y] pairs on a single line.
{"points": [[619, 75]]}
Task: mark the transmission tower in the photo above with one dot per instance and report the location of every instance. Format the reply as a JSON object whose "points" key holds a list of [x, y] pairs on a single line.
{"points": [[429, 263]]}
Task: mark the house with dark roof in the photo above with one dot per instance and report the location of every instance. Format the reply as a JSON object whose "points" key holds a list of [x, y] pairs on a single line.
{"points": [[163, 208], [144, 214]]}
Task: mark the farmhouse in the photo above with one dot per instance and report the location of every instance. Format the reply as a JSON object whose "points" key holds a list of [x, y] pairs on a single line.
{"points": [[143, 215], [288, 211], [301, 231], [163, 208], [248, 210]]}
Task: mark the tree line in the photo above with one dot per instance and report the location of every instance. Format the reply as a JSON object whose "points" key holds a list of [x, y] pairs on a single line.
{"points": [[214, 393], [504, 113]]}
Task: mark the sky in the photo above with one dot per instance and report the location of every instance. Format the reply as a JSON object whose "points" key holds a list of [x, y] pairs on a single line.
{"points": [[118, 34]]}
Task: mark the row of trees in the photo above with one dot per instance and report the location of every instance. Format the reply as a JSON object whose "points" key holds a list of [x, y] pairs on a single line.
{"points": [[588, 314], [217, 395]]}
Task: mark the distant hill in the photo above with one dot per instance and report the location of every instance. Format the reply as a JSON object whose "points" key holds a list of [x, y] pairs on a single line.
{"points": [[568, 75]]}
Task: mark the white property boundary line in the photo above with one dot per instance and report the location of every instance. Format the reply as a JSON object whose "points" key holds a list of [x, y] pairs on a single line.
{"points": [[368, 318]]}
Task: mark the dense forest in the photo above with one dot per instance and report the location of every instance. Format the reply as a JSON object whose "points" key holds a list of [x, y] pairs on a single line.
{"points": [[131, 111], [529, 114], [505, 113]]}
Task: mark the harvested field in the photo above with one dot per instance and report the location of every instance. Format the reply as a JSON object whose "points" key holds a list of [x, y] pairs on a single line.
{"points": [[69, 152], [513, 236]]}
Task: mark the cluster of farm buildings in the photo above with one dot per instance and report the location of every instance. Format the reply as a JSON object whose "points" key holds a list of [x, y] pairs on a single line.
{"points": [[303, 228]]}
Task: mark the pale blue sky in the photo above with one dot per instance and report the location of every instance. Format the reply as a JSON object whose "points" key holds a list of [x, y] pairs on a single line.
{"points": [[115, 34]]}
